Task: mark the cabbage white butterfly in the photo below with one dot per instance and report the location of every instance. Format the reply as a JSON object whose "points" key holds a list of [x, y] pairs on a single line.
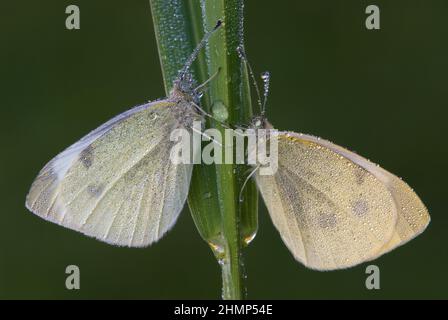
{"points": [[333, 208], [117, 184]]}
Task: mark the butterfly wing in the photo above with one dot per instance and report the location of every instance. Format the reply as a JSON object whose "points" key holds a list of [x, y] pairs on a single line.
{"points": [[413, 217], [333, 209], [117, 184]]}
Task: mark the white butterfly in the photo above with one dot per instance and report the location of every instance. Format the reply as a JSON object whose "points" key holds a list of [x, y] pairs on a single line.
{"points": [[333, 208], [117, 184]]}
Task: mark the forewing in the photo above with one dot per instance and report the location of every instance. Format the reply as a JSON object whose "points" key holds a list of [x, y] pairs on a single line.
{"points": [[412, 215], [331, 212], [117, 184]]}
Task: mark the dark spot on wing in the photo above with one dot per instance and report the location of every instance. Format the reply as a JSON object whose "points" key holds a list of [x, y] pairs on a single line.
{"points": [[327, 220], [86, 157], [360, 207], [360, 176], [94, 190]]}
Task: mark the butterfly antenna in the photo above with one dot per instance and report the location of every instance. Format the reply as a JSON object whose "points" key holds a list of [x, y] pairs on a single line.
{"points": [[198, 48], [243, 56], [266, 77]]}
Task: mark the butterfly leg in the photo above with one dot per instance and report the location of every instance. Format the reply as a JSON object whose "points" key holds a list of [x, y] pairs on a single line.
{"points": [[245, 182]]}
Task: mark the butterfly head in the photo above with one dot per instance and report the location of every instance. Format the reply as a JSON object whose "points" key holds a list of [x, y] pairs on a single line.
{"points": [[184, 88], [260, 122]]}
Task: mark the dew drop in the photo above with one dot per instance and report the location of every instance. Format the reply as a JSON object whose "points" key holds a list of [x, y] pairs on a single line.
{"points": [[220, 111], [218, 251], [248, 239], [207, 195]]}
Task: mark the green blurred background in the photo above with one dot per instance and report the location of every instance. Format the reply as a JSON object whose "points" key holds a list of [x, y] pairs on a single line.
{"points": [[381, 93]]}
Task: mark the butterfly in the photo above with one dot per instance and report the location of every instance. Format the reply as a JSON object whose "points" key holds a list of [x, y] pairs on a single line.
{"points": [[333, 208], [117, 183]]}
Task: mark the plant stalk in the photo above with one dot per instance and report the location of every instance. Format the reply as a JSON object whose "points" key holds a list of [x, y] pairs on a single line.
{"points": [[224, 222]]}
